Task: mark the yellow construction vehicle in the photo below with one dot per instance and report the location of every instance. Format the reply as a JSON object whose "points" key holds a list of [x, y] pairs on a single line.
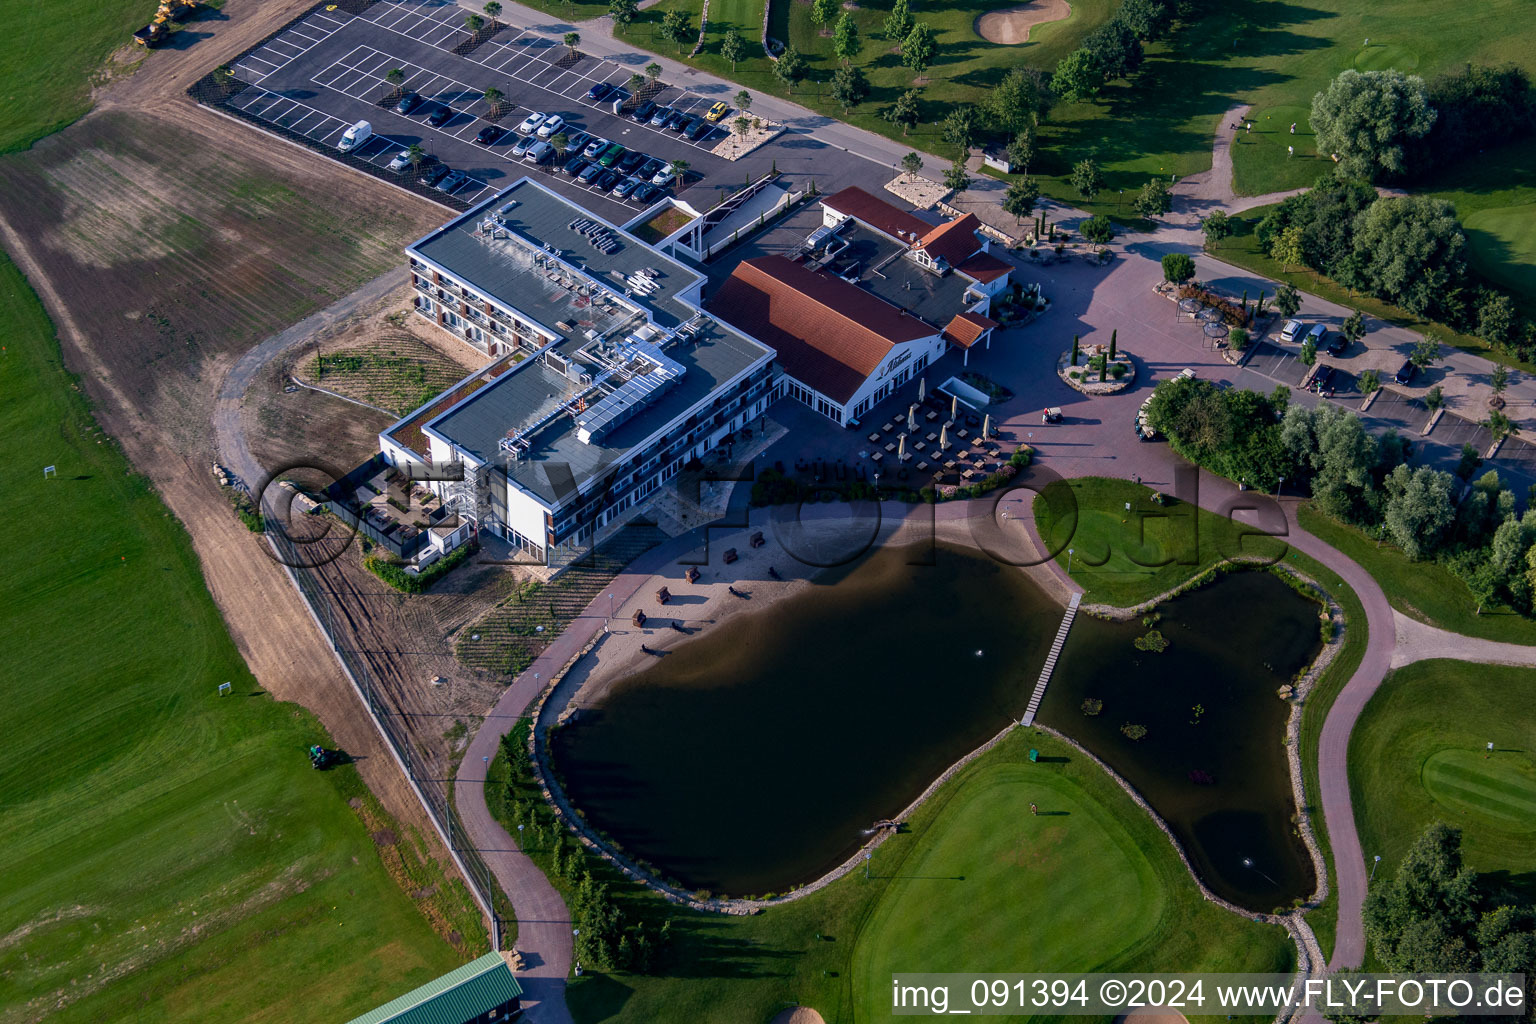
{"points": [[159, 28]]}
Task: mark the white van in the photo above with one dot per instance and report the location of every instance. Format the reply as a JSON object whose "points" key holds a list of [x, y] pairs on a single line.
{"points": [[355, 136]]}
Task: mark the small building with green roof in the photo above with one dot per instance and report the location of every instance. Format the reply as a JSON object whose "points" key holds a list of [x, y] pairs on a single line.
{"points": [[483, 991]]}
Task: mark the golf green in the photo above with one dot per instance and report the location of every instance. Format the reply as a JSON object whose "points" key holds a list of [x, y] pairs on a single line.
{"points": [[1502, 790], [1502, 242]]}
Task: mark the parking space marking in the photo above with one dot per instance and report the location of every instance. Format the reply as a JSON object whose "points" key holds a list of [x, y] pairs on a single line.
{"points": [[274, 52]]}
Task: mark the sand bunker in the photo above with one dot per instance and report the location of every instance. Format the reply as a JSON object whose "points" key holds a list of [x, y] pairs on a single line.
{"points": [[1011, 27], [799, 1015]]}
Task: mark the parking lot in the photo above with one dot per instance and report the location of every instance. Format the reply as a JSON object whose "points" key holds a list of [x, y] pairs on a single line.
{"points": [[329, 69], [1276, 364], [1394, 408]]}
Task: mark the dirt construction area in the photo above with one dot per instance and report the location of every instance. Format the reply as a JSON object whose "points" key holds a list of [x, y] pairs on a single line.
{"points": [[165, 241]]}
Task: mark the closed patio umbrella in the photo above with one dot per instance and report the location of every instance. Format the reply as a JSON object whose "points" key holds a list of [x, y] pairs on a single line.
{"points": [[912, 419], [986, 426], [901, 448], [954, 407], [943, 437], [922, 388]]}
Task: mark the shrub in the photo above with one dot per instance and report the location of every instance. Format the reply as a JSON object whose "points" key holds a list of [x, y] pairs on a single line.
{"points": [[395, 575], [1092, 706], [1154, 642], [1132, 731], [1021, 457]]}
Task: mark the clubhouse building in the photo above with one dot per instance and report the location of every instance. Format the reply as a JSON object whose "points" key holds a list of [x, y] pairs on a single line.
{"points": [[610, 370]]}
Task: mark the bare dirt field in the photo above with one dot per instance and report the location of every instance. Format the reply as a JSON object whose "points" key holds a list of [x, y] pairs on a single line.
{"points": [[166, 240], [1011, 27]]}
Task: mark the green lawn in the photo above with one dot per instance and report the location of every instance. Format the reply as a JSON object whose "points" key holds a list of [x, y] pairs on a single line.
{"points": [[1426, 591], [977, 883], [1495, 196], [167, 852], [51, 57], [1417, 755], [1124, 558], [1292, 61]]}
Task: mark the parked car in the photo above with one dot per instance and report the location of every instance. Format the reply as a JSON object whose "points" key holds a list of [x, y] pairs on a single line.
{"points": [[575, 142], [574, 166], [409, 102], [630, 161], [623, 189], [490, 134], [590, 173], [599, 92], [717, 112], [664, 177], [531, 122], [451, 181], [355, 136], [699, 129], [660, 116], [595, 148], [682, 122], [401, 161], [551, 126], [644, 193], [539, 152], [1292, 330], [647, 170], [644, 111], [521, 146], [1322, 380], [432, 173], [611, 155], [1405, 372], [441, 115], [608, 179], [1318, 335]]}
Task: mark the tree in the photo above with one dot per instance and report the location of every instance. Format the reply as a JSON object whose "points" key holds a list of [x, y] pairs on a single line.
{"points": [[1086, 178], [1178, 267], [1370, 382], [416, 155], [1075, 349], [623, 12], [1287, 300], [1470, 460], [919, 48], [960, 126], [1308, 352], [1434, 398], [560, 142], [572, 40], [1078, 77], [1216, 227], [395, 77], [653, 72], [1148, 19], [1287, 248], [956, 178], [1115, 49], [1153, 200], [1098, 230], [912, 163], [492, 9], [493, 97], [679, 169], [849, 86], [1499, 425], [742, 125], [677, 26], [1368, 118], [1353, 327], [1411, 250], [1019, 102], [845, 38], [474, 23], [823, 11], [899, 22], [790, 67], [1021, 151], [1498, 378], [744, 100], [1021, 198], [636, 83], [1237, 339], [1114, 341], [1496, 319], [733, 48], [904, 111]]}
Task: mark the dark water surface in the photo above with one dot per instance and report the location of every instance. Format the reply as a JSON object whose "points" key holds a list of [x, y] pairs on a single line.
{"points": [[1220, 782], [753, 757]]}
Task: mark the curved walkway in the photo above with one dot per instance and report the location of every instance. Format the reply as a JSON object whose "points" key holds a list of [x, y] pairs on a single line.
{"points": [[1419, 641]]}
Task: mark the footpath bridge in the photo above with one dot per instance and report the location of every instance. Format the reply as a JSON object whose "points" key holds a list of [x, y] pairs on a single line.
{"points": [[1050, 660]]}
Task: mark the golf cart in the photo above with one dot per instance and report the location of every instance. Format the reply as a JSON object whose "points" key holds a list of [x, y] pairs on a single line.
{"points": [[1051, 415]]}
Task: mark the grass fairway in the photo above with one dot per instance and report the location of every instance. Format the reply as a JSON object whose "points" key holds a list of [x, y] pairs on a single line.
{"points": [[1091, 885], [976, 883], [1417, 755], [1123, 558], [168, 854]]}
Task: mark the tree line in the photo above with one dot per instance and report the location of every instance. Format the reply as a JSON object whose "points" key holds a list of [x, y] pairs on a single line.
{"points": [[1361, 479], [1410, 251]]}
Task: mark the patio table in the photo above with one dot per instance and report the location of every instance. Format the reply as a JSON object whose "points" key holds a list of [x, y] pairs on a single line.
{"points": [[931, 416], [890, 447], [1210, 314], [874, 438], [1189, 305], [1215, 330]]}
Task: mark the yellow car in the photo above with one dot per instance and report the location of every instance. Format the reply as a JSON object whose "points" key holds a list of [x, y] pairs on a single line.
{"points": [[716, 112]]}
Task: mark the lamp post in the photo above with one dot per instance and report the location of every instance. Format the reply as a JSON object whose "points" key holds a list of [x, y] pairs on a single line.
{"points": [[877, 485], [576, 934], [867, 855], [610, 612], [1278, 486], [1373, 868], [1069, 561]]}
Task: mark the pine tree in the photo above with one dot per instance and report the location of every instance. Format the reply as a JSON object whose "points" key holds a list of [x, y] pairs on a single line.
{"points": [[1113, 337], [1074, 350]]}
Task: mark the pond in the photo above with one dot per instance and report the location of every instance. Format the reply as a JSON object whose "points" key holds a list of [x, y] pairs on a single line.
{"points": [[1212, 761], [755, 757]]}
